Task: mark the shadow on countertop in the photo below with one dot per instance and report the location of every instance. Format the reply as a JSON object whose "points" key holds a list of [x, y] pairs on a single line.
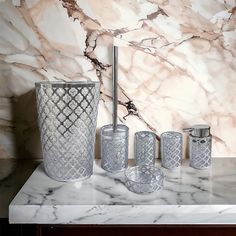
{"points": [[13, 175]]}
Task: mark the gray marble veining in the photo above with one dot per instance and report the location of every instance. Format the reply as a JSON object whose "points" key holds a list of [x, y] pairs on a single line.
{"points": [[177, 64], [189, 196]]}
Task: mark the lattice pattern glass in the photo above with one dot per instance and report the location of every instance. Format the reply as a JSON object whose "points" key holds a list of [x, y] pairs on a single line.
{"points": [[144, 148], [144, 179], [171, 149], [67, 114], [114, 148], [200, 152]]}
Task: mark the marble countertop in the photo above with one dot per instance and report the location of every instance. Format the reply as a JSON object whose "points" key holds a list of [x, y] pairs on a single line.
{"points": [[189, 196], [13, 175]]}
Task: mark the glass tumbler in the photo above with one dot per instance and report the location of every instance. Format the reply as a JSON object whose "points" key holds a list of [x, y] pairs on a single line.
{"points": [[67, 115], [171, 149], [144, 148], [114, 148]]}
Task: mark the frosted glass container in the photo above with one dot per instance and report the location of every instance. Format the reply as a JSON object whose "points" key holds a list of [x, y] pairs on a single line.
{"points": [[200, 152], [144, 179], [67, 115], [144, 148], [200, 144], [171, 149], [114, 148]]}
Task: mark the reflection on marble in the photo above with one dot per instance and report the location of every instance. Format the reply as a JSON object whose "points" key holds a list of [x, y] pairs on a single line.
{"points": [[189, 196], [178, 68], [13, 175]]}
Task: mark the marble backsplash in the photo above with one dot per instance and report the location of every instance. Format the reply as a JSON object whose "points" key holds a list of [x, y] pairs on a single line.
{"points": [[177, 64]]}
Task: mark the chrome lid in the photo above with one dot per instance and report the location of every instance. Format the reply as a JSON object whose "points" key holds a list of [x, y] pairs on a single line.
{"points": [[198, 130]]}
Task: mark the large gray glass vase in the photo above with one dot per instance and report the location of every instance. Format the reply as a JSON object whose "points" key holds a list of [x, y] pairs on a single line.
{"points": [[67, 114]]}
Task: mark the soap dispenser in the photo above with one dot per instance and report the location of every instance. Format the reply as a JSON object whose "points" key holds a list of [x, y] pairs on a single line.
{"points": [[200, 140]]}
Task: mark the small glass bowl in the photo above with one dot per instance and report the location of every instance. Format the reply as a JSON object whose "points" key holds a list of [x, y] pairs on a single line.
{"points": [[144, 179]]}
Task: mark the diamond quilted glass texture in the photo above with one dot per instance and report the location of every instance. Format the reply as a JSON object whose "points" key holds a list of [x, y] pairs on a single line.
{"points": [[67, 114], [171, 149], [114, 148], [144, 148], [144, 179], [200, 152]]}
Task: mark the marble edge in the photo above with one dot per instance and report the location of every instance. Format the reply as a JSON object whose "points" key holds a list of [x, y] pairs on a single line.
{"points": [[122, 214]]}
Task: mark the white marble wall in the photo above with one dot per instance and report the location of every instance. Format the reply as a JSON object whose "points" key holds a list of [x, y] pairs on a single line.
{"points": [[178, 65]]}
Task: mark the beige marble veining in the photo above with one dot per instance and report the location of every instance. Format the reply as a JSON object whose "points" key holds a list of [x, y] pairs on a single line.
{"points": [[177, 64]]}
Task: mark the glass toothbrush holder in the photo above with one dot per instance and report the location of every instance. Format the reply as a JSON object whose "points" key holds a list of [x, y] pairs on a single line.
{"points": [[114, 148]]}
